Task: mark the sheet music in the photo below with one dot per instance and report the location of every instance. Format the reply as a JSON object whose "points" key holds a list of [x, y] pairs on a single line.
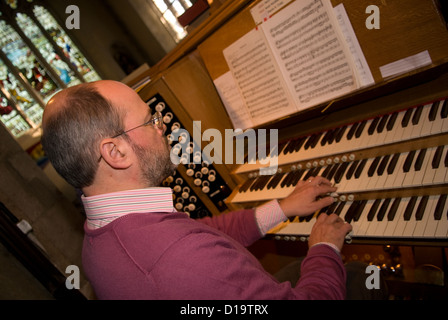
{"points": [[233, 102], [362, 67], [311, 52], [258, 78], [263, 10]]}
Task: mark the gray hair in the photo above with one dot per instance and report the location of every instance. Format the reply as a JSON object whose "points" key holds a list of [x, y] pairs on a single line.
{"points": [[72, 135]]}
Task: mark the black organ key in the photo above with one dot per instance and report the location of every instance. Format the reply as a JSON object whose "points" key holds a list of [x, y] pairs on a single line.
{"points": [[246, 185], [409, 208], [351, 211], [406, 118], [433, 112], [391, 123], [297, 176], [260, 183], [439, 207], [299, 144], [352, 169], [352, 131], [312, 173], [373, 166], [287, 181], [332, 135], [393, 163], [325, 138], [360, 168], [332, 207], [290, 147], [359, 210], [316, 140], [383, 165], [360, 128], [372, 126], [327, 171], [340, 172], [445, 162], [421, 208], [333, 171], [408, 162], [373, 209], [437, 157], [340, 207], [419, 161], [444, 110], [393, 209], [383, 210], [275, 180], [382, 123], [340, 133], [417, 115]]}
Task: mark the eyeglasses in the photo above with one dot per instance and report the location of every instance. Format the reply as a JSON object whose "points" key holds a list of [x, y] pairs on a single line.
{"points": [[156, 121]]}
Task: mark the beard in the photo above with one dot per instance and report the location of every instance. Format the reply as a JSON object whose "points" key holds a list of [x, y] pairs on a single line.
{"points": [[155, 164]]}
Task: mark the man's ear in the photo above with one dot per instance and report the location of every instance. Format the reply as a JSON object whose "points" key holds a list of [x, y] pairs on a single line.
{"points": [[116, 153]]}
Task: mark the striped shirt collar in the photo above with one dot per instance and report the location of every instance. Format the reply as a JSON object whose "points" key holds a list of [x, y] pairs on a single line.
{"points": [[105, 208]]}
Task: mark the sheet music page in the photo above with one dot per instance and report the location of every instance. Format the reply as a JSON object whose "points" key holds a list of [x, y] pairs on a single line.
{"points": [[362, 67], [311, 52], [264, 9], [258, 78], [233, 102]]}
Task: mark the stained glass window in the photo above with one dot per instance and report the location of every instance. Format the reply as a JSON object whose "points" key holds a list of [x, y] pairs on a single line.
{"points": [[64, 42], [37, 59]]}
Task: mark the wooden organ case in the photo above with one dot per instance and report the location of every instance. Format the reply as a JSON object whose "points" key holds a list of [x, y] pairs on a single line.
{"points": [[385, 145]]}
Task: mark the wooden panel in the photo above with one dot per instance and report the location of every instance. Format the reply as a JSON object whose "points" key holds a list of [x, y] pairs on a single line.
{"points": [[211, 48], [407, 27]]}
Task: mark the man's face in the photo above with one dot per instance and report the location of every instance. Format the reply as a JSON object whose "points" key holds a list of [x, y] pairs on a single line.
{"points": [[152, 150], [149, 143]]}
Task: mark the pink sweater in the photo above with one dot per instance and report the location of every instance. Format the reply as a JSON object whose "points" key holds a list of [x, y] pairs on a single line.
{"points": [[170, 256]]}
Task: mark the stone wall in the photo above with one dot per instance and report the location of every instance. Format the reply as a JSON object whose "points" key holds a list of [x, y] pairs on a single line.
{"points": [[30, 195]]}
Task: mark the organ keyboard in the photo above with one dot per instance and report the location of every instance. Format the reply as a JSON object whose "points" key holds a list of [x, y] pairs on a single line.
{"points": [[391, 172]]}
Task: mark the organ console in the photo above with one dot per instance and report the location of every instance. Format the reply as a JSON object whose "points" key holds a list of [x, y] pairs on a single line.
{"points": [[391, 172], [385, 147]]}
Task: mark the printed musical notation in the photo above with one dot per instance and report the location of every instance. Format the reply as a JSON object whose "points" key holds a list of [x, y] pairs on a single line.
{"points": [[297, 59]]}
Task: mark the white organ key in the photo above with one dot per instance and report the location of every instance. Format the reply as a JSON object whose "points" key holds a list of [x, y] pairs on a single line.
{"points": [[361, 226], [425, 124], [438, 125], [423, 213], [441, 173], [411, 221], [396, 226], [392, 126], [419, 174], [442, 225], [428, 176], [408, 168], [385, 221], [431, 225], [444, 115], [416, 122], [383, 170], [401, 222], [398, 131]]}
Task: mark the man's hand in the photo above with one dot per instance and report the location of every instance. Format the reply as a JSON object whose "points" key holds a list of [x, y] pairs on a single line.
{"points": [[308, 197], [329, 228]]}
